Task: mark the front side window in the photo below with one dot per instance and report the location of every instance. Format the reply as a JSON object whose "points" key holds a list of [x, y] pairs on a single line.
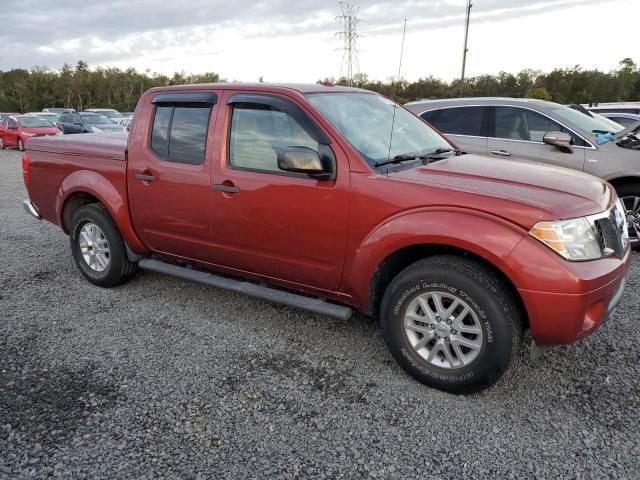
{"points": [[458, 120], [376, 126], [179, 132], [258, 132], [514, 123]]}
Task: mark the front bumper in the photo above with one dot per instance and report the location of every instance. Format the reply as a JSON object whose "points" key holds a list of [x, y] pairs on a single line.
{"points": [[566, 301]]}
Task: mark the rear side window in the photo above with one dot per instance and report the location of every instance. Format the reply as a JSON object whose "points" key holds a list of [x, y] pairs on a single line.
{"points": [[457, 120], [179, 132]]}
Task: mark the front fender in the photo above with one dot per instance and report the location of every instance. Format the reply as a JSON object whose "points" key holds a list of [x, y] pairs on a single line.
{"points": [[486, 236], [95, 184]]}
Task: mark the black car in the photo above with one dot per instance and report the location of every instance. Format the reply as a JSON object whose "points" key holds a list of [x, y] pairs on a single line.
{"points": [[86, 122]]}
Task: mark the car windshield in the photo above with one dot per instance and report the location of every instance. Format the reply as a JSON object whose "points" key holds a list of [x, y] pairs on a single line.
{"points": [[95, 119], [52, 118], [110, 113], [593, 126], [366, 121], [34, 122]]}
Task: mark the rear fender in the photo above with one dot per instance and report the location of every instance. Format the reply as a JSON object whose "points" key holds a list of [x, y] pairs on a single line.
{"points": [[86, 181], [483, 235]]}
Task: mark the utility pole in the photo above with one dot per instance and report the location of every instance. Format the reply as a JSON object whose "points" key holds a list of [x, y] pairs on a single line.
{"points": [[349, 34], [464, 52]]}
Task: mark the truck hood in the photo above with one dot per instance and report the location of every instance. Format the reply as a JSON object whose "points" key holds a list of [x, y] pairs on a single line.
{"points": [[530, 192], [111, 145]]}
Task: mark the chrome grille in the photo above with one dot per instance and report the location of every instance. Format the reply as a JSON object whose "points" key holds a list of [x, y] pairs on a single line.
{"points": [[612, 231]]}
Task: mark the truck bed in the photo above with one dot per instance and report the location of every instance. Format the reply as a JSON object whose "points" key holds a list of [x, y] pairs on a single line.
{"points": [[111, 145]]}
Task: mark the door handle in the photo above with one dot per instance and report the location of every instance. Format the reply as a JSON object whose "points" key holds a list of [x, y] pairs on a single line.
{"points": [[504, 153], [145, 177], [226, 188]]}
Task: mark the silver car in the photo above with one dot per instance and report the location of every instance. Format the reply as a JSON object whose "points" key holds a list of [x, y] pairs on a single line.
{"points": [[546, 132]]}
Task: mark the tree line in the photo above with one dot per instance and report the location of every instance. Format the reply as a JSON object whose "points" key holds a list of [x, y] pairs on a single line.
{"points": [[80, 87]]}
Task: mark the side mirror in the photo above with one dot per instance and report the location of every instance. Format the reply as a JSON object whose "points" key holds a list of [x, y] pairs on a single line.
{"points": [[302, 160], [558, 139]]}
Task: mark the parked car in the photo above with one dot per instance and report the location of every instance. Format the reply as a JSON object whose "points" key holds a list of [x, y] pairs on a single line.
{"points": [[110, 113], [298, 187], [86, 122], [616, 107], [17, 129], [544, 132], [58, 110], [624, 119]]}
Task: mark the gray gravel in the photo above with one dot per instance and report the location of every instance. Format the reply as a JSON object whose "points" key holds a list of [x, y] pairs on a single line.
{"points": [[161, 378]]}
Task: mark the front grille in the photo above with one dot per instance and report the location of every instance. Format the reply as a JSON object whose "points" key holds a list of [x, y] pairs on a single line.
{"points": [[611, 230]]}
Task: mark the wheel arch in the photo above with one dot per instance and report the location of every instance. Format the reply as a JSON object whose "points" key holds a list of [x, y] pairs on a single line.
{"points": [[624, 180], [83, 187], [400, 259]]}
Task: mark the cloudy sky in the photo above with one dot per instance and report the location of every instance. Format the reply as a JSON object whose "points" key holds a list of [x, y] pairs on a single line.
{"points": [[294, 41]]}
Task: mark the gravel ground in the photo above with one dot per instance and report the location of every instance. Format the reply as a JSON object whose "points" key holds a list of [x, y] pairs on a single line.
{"points": [[162, 378]]}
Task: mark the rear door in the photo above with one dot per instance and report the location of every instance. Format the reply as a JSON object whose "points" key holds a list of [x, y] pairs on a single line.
{"points": [[466, 126], [267, 221], [169, 179], [517, 132]]}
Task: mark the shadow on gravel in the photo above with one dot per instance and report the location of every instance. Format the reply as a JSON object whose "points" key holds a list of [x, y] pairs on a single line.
{"points": [[46, 404]]}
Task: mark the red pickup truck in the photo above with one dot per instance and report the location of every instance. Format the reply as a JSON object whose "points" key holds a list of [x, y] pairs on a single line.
{"points": [[331, 199]]}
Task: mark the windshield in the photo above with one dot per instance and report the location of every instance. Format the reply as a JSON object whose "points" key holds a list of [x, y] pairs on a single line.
{"points": [[95, 119], [613, 125], [53, 118], [365, 120], [589, 124], [34, 122], [110, 113]]}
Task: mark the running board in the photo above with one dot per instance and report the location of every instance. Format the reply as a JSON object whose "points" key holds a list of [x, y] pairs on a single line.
{"points": [[309, 304]]}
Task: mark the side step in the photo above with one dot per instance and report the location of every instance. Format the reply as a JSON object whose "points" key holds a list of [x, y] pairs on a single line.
{"points": [[314, 305]]}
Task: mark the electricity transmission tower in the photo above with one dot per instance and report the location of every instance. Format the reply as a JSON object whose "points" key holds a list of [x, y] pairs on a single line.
{"points": [[464, 52], [349, 34]]}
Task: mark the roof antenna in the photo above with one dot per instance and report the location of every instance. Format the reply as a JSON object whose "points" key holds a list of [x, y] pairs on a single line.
{"points": [[395, 106]]}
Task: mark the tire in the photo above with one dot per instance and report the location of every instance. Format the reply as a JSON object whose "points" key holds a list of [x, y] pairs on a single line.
{"points": [[103, 268], [20, 145], [491, 313], [629, 193]]}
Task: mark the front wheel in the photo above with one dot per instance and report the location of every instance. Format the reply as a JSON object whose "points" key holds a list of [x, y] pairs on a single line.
{"points": [[20, 145], [630, 196], [98, 248], [451, 324]]}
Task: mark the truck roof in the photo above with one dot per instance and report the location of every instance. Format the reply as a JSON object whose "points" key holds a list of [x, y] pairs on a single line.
{"points": [[302, 88]]}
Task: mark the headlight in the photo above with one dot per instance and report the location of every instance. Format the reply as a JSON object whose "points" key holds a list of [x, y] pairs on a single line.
{"points": [[95, 129], [573, 239]]}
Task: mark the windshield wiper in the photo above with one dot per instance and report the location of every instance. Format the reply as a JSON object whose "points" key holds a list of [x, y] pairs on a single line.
{"points": [[437, 154]]}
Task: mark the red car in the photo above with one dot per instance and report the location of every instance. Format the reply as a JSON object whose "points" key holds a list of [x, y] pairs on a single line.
{"points": [[15, 130], [339, 199]]}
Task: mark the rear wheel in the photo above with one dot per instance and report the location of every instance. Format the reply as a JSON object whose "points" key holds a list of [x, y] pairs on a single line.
{"points": [[20, 145], [451, 323], [98, 248], [630, 196]]}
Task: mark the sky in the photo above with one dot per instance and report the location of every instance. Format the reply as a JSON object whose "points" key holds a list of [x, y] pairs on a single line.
{"points": [[295, 41]]}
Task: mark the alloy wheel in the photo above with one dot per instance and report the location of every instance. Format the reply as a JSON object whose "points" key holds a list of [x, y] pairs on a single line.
{"points": [[94, 247], [632, 207], [443, 329]]}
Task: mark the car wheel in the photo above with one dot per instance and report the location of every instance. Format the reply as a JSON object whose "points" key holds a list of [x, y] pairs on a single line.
{"points": [[98, 248], [451, 323], [630, 196], [20, 145]]}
